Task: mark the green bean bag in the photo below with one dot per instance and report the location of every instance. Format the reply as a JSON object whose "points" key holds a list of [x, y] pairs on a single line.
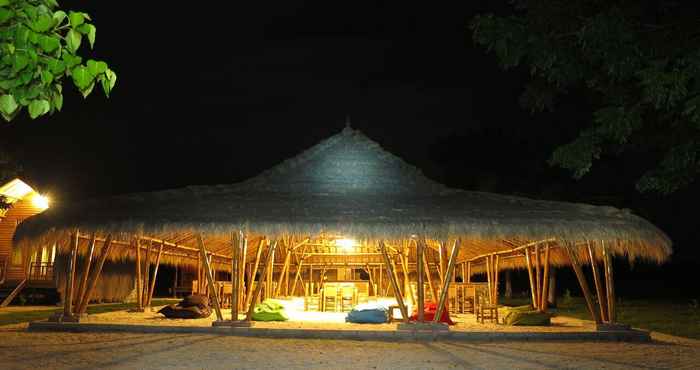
{"points": [[520, 316], [269, 310]]}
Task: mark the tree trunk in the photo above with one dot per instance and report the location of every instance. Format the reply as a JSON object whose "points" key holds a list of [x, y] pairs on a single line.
{"points": [[552, 292], [509, 288]]}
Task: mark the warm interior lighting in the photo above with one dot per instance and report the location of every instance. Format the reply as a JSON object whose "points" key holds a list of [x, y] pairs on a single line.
{"points": [[40, 201], [347, 245]]}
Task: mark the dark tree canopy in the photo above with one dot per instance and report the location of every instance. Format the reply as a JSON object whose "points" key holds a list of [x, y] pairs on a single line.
{"points": [[637, 63]]}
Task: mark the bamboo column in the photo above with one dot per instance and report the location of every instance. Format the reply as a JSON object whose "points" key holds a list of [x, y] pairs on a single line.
{"points": [[155, 274], [236, 245], [210, 278], [429, 275], [146, 273], [249, 295], [86, 268], [545, 281], [95, 273], [494, 271], [469, 272], [139, 284], [582, 281], [258, 287], [243, 241], [70, 277], [489, 280], [283, 272], [270, 272], [407, 282], [598, 284], [420, 282], [538, 283], [391, 275], [528, 263], [371, 279], [443, 261], [609, 283], [446, 281]]}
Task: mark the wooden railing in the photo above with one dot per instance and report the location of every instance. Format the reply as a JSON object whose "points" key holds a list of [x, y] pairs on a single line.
{"points": [[40, 271]]}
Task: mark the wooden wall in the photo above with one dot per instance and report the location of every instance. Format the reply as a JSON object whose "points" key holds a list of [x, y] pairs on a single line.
{"points": [[16, 214]]}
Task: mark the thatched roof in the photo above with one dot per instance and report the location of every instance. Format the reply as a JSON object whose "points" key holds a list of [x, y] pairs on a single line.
{"points": [[348, 185]]}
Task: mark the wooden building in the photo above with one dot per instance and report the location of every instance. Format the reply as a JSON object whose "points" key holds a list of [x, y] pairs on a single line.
{"points": [[18, 268], [342, 211]]}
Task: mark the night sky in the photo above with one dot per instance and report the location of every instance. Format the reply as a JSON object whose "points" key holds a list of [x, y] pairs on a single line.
{"points": [[209, 94]]}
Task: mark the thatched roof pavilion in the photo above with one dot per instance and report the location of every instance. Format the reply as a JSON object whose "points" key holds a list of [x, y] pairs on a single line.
{"points": [[347, 186]]}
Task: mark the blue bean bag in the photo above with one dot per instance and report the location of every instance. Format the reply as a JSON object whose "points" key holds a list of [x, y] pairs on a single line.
{"points": [[368, 314]]}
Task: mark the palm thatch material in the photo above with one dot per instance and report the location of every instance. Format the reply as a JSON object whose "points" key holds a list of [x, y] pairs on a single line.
{"points": [[348, 186], [115, 283]]}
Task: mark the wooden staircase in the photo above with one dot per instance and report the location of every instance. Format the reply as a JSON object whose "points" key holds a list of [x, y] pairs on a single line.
{"points": [[8, 292]]}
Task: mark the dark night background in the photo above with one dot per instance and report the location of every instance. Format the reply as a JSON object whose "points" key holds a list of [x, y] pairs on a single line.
{"points": [[209, 94]]}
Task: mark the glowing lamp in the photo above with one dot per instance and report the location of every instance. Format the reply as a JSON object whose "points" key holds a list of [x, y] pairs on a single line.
{"points": [[40, 201], [346, 244]]}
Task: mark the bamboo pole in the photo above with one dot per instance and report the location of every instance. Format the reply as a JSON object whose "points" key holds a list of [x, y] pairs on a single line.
{"points": [[538, 282], [420, 282], [139, 276], [249, 295], [495, 279], [535, 305], [446, 282], [584, 284], [426, 268], [70, 278], [95, 273], [391, 275], [407, 282], [258, 287], [598, 284], [545, 281], [236, 245], [609, 282], [146, 274], [489, 280], [469, 272], [371, 279], [442, 259], [155, 274], [210, 278], [242, 266], [270, 272], [86, 269], [285, 267]]}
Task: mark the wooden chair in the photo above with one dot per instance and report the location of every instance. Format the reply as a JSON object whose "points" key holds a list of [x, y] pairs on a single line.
{"points": [[469, 295], [330, 298], [347, 298], [484, 308], [312, 302]]}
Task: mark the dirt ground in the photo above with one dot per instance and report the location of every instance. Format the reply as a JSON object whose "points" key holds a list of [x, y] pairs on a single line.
{"points": [[23, 350]]}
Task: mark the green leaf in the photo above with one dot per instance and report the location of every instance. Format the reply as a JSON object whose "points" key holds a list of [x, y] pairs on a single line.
{"points": [[42, 24], [38, 107], [56, 66], [87, 90], [48, 43], [71, 60], [90, 31], [5, 14], [4, 2], [8, 105], [112, 77], [73, 39], [96, 67], [46, 77], [19, 62], [76, 19], [82, 77], [58, 17], [57, 100]]}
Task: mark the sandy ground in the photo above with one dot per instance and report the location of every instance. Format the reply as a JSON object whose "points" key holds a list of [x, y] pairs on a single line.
{"points": [[28, 350]]}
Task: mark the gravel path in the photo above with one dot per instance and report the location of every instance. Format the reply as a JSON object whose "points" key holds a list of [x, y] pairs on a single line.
{"points": [[21, 350]]}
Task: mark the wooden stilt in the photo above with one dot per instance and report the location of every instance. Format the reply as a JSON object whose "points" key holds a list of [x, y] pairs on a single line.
{"points": [[443, 261], [155, 275], [285, 267], [249, 295], [407, 282], [298, 273], [243, 241], [95, 273], [489, 279], [532, 280], [582, 281], [210, 278], [469, 272], [420, 281], [86, 268], [446, 281], [538, 282], [392, 264], [391, 275], [545, 281], [236, 246], [609, 283], [598, 283], [70, 278], [429, 275], [494, 271], [146, 274], [270, 272], [139, 283], [258, 287]]}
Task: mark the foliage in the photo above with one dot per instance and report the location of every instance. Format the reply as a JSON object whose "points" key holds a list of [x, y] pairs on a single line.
{"points": [[636, 63], [39, 46]]}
